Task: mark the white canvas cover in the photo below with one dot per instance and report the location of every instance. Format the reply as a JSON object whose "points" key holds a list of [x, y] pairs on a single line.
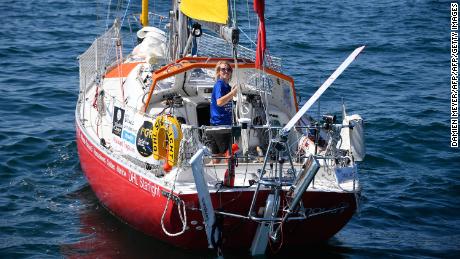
{"points": [[353, 138]]}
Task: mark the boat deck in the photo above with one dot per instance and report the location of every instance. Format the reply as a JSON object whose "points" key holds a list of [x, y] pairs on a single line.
{"points": [[98, 127]]}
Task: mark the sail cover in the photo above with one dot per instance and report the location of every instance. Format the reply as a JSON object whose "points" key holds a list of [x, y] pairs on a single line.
{"points": [[206, 10], [259, 8]]}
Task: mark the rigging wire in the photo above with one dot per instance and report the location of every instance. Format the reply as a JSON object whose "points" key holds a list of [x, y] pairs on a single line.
{"points": [[247, 36], [108, 15], [234, 14], [119, 5], [249, 18], [124, 15]]}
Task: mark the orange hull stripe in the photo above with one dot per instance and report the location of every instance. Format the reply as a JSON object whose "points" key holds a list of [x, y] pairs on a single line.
{"points": [[122, 70]]}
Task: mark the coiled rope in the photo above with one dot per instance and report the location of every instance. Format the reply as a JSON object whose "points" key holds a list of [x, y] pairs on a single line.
{"points": [[181, 203], [182, 214]]}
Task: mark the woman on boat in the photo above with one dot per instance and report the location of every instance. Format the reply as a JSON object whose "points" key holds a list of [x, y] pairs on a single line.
{"points": [[221, 109]]}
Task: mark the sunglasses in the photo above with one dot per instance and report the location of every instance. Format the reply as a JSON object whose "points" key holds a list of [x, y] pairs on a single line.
{"points": [[225, 69]]}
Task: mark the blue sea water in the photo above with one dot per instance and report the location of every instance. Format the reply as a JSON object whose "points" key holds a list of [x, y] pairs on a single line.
{"points": [[400, 84]]}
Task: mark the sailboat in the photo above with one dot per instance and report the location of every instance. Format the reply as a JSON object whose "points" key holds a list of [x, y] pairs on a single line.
{"points": [[143, 121]]}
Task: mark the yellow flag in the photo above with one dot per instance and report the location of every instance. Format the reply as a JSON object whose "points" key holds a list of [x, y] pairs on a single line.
{"points": [[206, 10]]}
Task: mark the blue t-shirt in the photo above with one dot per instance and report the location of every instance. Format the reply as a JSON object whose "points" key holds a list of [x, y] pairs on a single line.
{"points": [[220, 115]]}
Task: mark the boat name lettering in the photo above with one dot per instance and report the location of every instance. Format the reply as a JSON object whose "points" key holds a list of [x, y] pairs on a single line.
{"points": [[143, 183], [110, 164], [133, 178], [87, 144], [340, 208], [82, 138], [121, 171], [98, 155], [148, 186]]}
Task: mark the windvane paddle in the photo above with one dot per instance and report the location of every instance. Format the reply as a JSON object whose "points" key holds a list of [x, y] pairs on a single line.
{"points": [[320, 91]]}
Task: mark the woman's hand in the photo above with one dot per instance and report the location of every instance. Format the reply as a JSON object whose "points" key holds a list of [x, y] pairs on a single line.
{"points": [[234, 90], [226, 98]]}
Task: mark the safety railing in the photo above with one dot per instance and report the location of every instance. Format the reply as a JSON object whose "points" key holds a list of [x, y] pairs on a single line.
{"points": [[211, 46], [98, 57]]}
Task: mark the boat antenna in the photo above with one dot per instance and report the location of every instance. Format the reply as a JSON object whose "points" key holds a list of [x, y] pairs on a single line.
{"points": [[235, 21], [319, 110], [344, 110], [235, 41]]}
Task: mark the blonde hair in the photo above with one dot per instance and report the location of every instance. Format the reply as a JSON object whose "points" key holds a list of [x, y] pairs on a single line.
{"points": [[217, 69]]}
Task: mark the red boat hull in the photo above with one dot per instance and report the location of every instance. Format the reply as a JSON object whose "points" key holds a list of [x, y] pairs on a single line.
{"points": [[141, 203]]}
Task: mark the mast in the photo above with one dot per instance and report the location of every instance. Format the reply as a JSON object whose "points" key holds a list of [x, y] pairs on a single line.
{"points": [[178, 31], [182, 34], [145, 13]]}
